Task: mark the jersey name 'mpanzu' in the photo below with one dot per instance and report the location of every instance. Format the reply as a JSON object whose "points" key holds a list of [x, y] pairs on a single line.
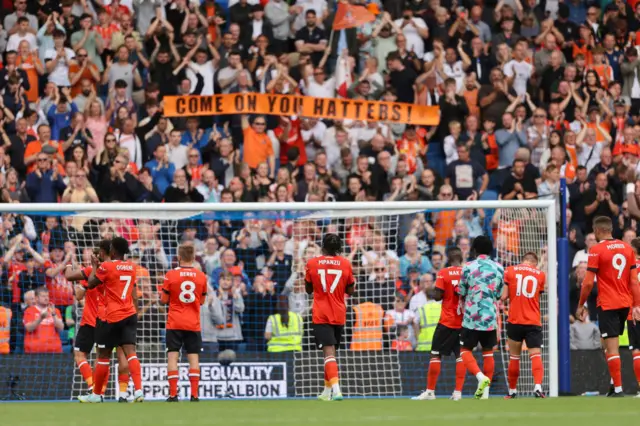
{"points": [[329, 262], [124, 268], [187, 274]]}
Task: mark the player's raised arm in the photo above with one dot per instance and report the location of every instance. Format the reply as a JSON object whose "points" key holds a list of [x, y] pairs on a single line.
{"points": [[93, 280], [74, 274]]}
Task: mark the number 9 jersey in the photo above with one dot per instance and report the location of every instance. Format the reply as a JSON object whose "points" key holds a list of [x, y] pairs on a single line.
{"points": [[612, 262], [186, 289], [330, 276]]}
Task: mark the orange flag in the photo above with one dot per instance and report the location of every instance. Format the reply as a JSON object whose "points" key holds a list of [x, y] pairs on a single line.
{"points": [[351, 16]]}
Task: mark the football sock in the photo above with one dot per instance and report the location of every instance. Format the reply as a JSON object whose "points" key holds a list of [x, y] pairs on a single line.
{"points": [[461, 371], [537, 369], [331, 371], [470, 363], [514, 373], [123, 382], [173, 376], [326, 380], [106, 382], [134, 369], [434, 372], [636, 365], [194, 379], [87, 373], [488, 364], [613, 361], [100, 375]]}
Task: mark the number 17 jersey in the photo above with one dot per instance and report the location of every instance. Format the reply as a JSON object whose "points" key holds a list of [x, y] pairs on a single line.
{"points": [[612, 262], [330, 276], [186, 288], [447, 281]]}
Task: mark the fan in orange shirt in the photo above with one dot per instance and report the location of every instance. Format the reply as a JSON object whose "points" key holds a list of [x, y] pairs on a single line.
{"points": [[257, 144], [29, 62], [604, 71]]}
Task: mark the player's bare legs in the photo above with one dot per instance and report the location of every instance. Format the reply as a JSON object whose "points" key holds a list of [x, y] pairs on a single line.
{"points": [[331, 380], [135, 371], [612, 353], [123, 374], [85, 369]]}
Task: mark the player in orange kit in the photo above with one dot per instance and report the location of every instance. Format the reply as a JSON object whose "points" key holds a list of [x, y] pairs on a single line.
{"points": [[92, 314], [184, 290], [446, 339], [117, 281], [613, 264], [633, 327], [329, 277], [524, 284]]}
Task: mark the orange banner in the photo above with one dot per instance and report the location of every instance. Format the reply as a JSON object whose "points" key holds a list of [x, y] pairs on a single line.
{"points": [[351, 16], [305, 106]]}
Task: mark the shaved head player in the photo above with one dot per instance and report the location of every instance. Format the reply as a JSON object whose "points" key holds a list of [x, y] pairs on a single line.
{"points": [[329, 277]]}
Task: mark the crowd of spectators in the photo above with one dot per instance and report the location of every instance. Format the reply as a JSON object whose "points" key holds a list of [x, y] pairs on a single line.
{"points": [[530, 91]]}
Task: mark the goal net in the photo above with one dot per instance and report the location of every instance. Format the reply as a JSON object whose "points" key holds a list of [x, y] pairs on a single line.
{"points": [[395, 249]]}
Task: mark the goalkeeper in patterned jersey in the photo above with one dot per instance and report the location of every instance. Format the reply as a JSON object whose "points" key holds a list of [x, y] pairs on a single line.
{"points": [[481, 287]]}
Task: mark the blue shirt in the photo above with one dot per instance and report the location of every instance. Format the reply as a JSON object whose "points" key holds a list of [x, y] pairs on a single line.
{"points": [[44, 189], [162, 177], [424, 265], [197, 144], [60, 120]]}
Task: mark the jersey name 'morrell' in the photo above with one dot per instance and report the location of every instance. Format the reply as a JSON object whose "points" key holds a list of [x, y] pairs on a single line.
{"points": [[615, 246], [187, 274], [329, 262], [124, 268]]}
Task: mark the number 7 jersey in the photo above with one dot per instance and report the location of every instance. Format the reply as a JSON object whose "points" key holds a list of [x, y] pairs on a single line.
{"points": [[118, 283], [447, 281], [186, 288], [612, 262], [330, 276], [525, 283]]}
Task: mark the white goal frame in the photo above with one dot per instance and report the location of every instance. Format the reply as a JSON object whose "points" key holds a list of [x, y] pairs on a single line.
{"points": [[185, 210]]}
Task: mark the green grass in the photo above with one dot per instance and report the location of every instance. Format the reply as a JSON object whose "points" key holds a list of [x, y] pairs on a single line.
{"points": [[388, 412]]}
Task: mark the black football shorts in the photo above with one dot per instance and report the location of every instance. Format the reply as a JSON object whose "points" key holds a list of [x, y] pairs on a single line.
{"points": [[612, 322], [189, 341], [530, 334], [328, 335]]}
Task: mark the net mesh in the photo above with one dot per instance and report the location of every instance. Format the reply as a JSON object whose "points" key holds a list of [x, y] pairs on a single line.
{"points": [[266, 252]]}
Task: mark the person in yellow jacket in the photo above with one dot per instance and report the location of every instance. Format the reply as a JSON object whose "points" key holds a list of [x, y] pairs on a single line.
{"points": [[284, 330], [427, 318], [5, 329], [368, 327]]}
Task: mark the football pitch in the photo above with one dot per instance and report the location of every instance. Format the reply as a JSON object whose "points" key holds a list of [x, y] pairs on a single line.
{"points": [[496, 412]]}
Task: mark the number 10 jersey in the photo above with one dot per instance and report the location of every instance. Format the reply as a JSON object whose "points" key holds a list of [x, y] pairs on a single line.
{"points": [[525, 284]]}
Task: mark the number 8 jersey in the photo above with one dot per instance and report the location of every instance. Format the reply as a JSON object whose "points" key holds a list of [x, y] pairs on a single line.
{"points": [[187, 290], [525, 284], [118, 279], [330, 276], [612, 262]]}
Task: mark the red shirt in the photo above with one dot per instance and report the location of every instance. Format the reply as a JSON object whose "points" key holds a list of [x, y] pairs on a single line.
{"points": [[525, 285], [186, 288], [60, 290], [118, 282], [630, 316], [612, 262], [45, 338], [14, 270], [330, 276], [447, 281], [92, 301]]}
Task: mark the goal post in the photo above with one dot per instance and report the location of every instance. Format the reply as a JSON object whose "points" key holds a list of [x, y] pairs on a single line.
{"points": [[514, 226]]}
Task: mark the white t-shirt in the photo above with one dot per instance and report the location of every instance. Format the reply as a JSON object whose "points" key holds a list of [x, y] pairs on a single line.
{"points": [[16, 39], [590, 156], [523, 73], [208, 71], [317, 132], [455, 71], [178, 155], [318, 5], [60, 74], [450, 150], [324, 90], [414, 41]]}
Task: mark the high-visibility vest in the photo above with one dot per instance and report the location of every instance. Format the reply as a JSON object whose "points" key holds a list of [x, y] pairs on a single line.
{"points": [[5, 323], [429, 316], [283, 338], [367, 329], [624, 338]]}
